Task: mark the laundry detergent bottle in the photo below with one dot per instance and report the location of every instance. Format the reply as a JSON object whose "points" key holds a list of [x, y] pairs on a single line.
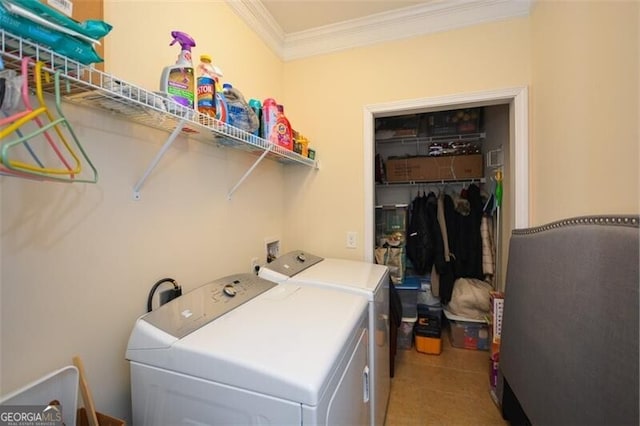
{"points": [[206, 101], [269, 117], [281, 132], [178, 80]]}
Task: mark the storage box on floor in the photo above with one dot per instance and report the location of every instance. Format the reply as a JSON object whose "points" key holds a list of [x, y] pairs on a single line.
{"points": [[428, 333], [408, 292], [495, 331], [467, 333]]}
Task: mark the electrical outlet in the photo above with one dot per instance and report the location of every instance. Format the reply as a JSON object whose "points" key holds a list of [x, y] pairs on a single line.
{"points": [[352, 239], [255, 265]]}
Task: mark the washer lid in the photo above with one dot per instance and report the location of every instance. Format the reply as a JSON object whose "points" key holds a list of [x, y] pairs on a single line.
{"points": [[286, 342], [362, 277]]}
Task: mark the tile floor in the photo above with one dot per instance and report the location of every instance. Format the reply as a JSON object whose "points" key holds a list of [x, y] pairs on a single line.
{"points": [[449, 389]]}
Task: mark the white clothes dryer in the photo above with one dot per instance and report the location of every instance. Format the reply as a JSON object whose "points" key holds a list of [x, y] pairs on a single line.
{"points": [[355, 277], [243, 350]]}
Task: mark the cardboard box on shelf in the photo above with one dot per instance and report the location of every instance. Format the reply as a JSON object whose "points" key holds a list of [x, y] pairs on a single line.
{"points": [[399, 169], [445, 168]]}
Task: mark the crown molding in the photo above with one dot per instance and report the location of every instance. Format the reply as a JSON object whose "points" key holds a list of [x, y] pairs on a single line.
{"points": [[407, 22], [258, 18]]}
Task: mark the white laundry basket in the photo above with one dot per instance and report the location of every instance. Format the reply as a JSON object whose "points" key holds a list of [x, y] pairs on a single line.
{"points": [[60, 385]]}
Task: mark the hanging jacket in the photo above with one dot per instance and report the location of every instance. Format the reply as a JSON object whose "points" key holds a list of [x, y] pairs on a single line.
{"points": [[468, 250], [444, 267], [420, 250]]}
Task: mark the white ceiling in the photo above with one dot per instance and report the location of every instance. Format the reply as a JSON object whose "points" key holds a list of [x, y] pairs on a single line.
{"points": [[296, 29], [301, 15]]}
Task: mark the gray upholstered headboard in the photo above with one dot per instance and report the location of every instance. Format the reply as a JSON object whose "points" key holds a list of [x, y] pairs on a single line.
{"points": [[569, 349]]}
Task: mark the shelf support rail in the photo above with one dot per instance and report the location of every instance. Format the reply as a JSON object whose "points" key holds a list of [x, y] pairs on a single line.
{"points": [[172, 137], [248, 172]]}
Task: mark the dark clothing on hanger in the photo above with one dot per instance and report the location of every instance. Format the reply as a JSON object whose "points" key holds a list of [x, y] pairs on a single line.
{"points": [[420, 249], [446, 269], [469, 242]]}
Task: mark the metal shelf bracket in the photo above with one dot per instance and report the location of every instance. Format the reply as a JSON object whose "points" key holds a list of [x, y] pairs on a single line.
{"points": [[172, 137], [248, 172]]}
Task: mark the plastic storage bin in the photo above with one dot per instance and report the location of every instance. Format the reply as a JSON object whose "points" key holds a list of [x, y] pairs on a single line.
{"points": [[409, 318], [391, 224], [405, 333], [469, 335]]}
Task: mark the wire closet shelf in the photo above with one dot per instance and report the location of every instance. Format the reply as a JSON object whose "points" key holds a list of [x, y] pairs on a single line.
{"points": [[84, 85]]}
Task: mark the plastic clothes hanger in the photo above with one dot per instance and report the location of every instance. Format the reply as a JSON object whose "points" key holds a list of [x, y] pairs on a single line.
{"points": [[28, 114], [9, 91], [54, 123], [58, 104], [8, 76], [24, 88], [62, 119]]}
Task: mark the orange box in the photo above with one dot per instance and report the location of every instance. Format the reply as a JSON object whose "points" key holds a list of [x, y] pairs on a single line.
{"points": [[429, 345]]}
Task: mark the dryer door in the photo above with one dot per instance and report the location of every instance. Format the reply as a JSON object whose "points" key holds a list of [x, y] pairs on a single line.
{"points": [[349, 402]]}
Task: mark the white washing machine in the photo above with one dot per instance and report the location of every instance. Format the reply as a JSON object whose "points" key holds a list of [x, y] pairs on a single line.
{"points": [[243, 350], [367, 279]]}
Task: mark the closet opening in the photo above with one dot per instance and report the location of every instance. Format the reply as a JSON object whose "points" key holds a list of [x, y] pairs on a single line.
{"points": [[489, 130]]}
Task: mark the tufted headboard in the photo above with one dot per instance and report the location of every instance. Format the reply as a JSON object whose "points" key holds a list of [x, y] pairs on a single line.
{"points": [[569, 345]]}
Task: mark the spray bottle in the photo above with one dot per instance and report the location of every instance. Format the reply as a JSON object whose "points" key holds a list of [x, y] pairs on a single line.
{"points": [[178, 80]]}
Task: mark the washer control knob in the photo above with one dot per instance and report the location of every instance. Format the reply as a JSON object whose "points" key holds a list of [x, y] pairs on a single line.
{"points": [[301, 257], [229, 290]]}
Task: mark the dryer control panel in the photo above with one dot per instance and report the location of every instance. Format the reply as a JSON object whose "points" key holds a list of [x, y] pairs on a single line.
{"points": [[204, 304], [294, 262]]}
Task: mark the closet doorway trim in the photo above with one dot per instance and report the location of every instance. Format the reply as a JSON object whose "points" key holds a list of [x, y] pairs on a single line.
{"points": [[516, 98]]}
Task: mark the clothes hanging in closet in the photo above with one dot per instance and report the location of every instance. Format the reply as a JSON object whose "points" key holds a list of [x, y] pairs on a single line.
{"points": [[420, 234], [444, 238]]}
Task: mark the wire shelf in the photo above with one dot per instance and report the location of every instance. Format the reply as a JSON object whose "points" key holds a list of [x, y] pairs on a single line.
{"points": [[84, 85], [413, 140]]}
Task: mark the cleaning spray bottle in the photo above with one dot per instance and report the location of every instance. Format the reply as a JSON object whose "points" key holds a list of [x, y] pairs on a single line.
{"points": [[178, 80]]}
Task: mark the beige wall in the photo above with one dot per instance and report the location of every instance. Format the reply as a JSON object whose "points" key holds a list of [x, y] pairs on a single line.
{"points": [[79, 260], [584, 109], [336, 88], [138, 48]]}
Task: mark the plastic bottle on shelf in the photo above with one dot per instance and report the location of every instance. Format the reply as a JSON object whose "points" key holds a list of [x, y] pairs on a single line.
{"points": [[282, 133], [226, 88], [240, 114], [269, 117], [178, 80], [206, 86], [256, 106], [222, 110]]}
